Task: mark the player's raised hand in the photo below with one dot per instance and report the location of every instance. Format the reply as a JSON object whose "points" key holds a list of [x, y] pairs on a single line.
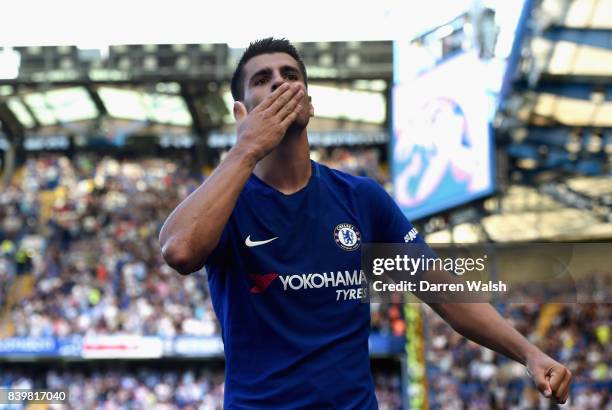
{"points": [[551, 377], [264, 127]]}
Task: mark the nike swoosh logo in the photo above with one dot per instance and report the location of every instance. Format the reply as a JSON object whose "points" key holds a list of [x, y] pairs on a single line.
{"points": [[248, 242]]}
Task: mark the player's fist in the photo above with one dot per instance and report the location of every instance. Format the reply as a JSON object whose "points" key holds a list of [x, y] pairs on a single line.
{"points": [[261, 130], [551, 377]]}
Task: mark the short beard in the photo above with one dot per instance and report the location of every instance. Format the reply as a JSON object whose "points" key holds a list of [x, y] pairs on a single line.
{"points": [[296, 127]]}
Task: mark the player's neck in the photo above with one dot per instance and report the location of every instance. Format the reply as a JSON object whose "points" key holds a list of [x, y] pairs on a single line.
{"points": [[287, 168]]}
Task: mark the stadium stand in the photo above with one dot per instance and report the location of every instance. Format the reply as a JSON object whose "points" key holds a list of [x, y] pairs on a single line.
{"points": [[465, 372], [89, 183]]}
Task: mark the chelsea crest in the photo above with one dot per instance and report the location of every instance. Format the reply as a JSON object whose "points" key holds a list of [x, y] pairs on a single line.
{"points": [[347, 236]]}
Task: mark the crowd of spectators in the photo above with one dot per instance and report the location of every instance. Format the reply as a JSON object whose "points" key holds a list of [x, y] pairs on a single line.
{"points": [[137, 389], [356, 161], [86, 231], [465, 375], [87, 228], [144, 387]]}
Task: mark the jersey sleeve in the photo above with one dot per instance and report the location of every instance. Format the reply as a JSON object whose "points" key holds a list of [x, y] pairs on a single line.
{"points": [[390, 225], [220, 256]]}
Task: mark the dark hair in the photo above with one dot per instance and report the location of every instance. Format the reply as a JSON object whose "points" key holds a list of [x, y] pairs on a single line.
{"points": [[264, 46]]}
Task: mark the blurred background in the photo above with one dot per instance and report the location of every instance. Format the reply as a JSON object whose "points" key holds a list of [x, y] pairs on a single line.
{"points": [[488, 121]]}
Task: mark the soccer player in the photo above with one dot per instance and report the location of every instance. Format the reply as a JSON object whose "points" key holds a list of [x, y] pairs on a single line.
{"points": [[280, 236]]}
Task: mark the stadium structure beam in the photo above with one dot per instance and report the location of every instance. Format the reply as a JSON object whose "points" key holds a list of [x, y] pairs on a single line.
{"points": [[96, 100], [566, 127], [198, 127], [568, 87], [11, 126], [603, 80], [183, 79], [15, 134], [589, 79], [560, 136], [594, 37], [563, 193]]}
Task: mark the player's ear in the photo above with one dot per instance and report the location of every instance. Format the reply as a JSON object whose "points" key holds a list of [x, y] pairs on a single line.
{"points": [[240, 111], [310, 107]]}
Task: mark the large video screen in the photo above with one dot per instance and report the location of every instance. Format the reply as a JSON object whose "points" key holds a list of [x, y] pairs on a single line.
{"points": [[441, 148], [447, 85]]}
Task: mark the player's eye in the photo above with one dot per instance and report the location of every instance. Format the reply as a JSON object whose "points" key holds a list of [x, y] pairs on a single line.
{"points": [[292, 76], [260, 81]]}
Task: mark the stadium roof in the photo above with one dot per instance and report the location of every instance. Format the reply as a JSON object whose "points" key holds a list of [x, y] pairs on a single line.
{"points": [[560, 111], [173, 108], [579, 13], [529, 215], [188, 21]]}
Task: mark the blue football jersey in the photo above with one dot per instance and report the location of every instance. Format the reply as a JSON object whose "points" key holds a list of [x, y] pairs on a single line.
{"points": [[286, 285]]}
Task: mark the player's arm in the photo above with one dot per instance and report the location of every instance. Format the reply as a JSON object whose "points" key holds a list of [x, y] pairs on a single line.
{"points": [[481, 323], [193, 229]]}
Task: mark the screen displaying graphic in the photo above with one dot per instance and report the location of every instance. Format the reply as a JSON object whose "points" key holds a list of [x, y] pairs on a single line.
{"points": [[441, 150]]}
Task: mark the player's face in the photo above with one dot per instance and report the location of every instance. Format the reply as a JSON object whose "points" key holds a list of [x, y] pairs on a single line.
{"points": [[265, 73]]}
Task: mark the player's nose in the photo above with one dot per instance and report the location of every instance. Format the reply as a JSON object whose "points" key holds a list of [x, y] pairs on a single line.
{"points": [[277, 81]]}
